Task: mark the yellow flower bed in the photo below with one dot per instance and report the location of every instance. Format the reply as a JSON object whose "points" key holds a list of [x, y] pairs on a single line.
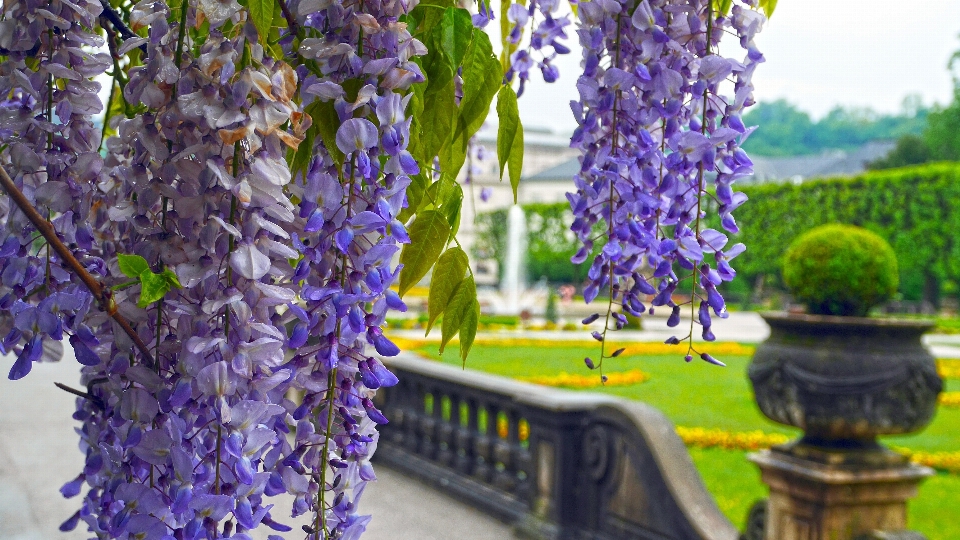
{"points": [[948, 368], [950, 399], [758, 440], [747, 440], [592, 380], [941, 461]]}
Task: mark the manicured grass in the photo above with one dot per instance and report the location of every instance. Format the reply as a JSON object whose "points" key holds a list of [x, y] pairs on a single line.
{"points": [[702, 395]]}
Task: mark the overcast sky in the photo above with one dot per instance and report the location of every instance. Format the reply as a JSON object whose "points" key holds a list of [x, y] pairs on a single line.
{"points": [[820, 53]]}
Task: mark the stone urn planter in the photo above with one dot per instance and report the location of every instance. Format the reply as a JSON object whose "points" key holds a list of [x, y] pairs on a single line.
{"points": [[845, 380]]}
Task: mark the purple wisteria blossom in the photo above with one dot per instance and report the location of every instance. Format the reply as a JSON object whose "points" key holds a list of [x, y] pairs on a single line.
{"points": [[659, 128], [545, 40]]}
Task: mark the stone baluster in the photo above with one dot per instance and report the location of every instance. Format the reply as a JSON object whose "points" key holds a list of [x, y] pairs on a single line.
{"points": [[445, 430], [523, 459], [483, 445], [465, 437], [503, 452], [428, 423], [412, 405]]}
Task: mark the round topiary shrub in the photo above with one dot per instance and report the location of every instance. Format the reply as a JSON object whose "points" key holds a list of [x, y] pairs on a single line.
{"points": [[840, 270]]}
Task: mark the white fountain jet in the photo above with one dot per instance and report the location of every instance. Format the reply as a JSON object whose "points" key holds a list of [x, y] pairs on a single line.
{"points": [[514, 278]]}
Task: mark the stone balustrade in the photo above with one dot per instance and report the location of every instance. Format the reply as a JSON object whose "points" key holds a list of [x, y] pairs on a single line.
{"points": [[556, 464]]}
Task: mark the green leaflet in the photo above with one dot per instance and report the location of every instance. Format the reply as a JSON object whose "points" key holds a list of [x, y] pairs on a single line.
{"points": [[451, 208], [438, 119], [153, 287], [261, 13], [132, 265], [440, 193], [468, 329], [454, 34], [426, 15], [327, 121], [509, 137], [722, 6], [768, 6], [439, 105], [462, 299], [172, 280], [447, 275], [302, 155], [482, 76], [428, 236], [415, 192]]}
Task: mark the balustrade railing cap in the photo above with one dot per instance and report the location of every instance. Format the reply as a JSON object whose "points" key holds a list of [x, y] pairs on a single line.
{"points": [[519, 391]]}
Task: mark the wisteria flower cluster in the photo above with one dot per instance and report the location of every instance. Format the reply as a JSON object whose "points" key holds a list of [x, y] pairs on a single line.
{"points": [[220, 255], [660, 134]]}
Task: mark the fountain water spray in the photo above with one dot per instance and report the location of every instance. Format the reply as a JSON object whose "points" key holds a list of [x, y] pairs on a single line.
{"points": [[514, 272]]}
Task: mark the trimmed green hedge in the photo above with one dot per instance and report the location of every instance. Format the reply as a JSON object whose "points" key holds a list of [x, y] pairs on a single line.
{"points": [[916, 209]]}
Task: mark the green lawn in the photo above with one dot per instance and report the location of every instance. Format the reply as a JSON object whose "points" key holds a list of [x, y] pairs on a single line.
{"points": [[702, 395]]}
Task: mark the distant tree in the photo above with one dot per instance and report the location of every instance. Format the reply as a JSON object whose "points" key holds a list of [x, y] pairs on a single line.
{"points": [[942, 135], [910, 150], [788, 131]]}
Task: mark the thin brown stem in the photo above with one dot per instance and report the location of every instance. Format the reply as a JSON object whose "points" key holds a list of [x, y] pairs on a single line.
{"points": [[102, 294], [79, 393]]}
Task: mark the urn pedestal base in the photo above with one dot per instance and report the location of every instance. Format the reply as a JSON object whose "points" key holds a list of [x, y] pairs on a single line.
{"points": [[821, 494]]}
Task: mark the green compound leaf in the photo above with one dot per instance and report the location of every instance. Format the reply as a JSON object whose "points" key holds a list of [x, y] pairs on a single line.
{"points": [[461, 301], [482, 77], [510, 137], [428, 236], [132, 265], [153, 287], [468, 329], [447, 275]]}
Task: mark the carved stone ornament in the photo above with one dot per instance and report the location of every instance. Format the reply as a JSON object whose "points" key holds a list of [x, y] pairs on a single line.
{"points": [[845, 380]]}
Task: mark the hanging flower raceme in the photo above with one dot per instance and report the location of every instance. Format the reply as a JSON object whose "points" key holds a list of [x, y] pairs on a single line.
{"points": [[181, 443], [351, 194], [660, 131], [51, 153]]}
